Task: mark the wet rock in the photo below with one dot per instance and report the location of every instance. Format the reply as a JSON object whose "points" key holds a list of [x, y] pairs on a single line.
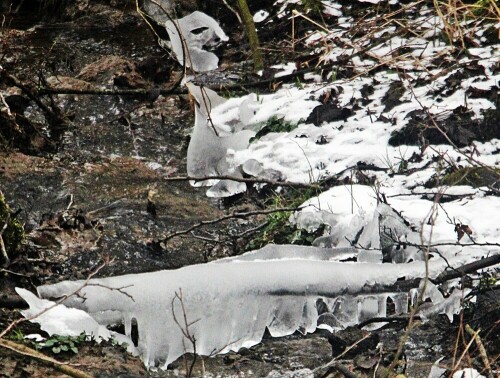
{"points": [[459, 128], [17, 103], [17, 131], [66, 82], [328, 113], [393, 95], [344, 339], [155, 68], [114, 70]]}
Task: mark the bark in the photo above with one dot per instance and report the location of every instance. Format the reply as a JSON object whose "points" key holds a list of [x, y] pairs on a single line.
{"points": [[253, 39]]}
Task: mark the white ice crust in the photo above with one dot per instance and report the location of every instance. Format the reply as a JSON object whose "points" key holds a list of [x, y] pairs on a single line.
{"points": [[230, 302]]}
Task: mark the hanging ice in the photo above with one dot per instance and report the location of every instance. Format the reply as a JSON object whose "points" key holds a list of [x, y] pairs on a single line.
{"points": [[197, 30], [213, 136], [206, 98], [206, 155], [232, 300]]}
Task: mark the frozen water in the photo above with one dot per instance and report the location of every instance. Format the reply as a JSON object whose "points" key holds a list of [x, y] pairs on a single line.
{"points": [[449, 306], [252, 167], [206, 98], [226, 188], [468, 373], [229, 303], [206, 155], [197, 30]]}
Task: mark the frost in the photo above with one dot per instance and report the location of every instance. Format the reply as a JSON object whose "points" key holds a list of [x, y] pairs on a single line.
{"points": [[233, 300], [198, 31]]}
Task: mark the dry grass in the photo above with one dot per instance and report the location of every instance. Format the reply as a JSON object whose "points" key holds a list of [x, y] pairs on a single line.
{"points": [[460, 18]]}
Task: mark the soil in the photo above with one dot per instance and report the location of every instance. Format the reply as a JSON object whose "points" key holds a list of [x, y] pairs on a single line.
{"points": [[102, 194]]}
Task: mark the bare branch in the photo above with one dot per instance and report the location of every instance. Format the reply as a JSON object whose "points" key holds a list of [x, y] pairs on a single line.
{"points": [[234, 215], [242, 179]]}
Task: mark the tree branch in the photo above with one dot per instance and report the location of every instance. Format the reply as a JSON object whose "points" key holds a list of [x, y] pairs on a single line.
{"points": [[29, 352], [226, 217]]}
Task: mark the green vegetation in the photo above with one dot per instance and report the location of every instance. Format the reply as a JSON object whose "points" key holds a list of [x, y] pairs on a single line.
{"points": [[278, 229], [314, 6], [274, 125], [58, 344], [472, 176], [13, 234], [54, 343]]}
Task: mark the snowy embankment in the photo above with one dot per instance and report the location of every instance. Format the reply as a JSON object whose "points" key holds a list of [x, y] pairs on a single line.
{"points": [[389, 212]]}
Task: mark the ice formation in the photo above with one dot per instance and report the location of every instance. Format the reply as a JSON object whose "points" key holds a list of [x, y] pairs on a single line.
{"points": [[230, 302], [198, 30], [206, 155], [354, 218], [214, 135]]}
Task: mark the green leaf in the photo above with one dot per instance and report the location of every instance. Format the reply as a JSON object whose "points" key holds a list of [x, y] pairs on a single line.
{"points": [[56, 350], [64, 348], [74, 350], [50, 342]]}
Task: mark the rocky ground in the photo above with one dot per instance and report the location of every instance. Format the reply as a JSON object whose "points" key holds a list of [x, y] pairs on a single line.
{"points": [[100, 192]]}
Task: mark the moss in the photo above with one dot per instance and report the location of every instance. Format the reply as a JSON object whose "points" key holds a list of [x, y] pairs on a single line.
{"points": [[13, 235], [473, 176]]}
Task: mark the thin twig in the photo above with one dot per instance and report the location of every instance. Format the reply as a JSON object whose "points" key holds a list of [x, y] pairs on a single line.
{"points": [[234, 215], [242, 179], [482, 350]]}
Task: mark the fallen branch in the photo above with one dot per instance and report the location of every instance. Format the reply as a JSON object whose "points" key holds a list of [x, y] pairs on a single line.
{"points": [[467, 268], [344, 370], [245, 180], [323, 182], [149, 93], [3, 250], [29, 352], [177, 91], [233, 215]]}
